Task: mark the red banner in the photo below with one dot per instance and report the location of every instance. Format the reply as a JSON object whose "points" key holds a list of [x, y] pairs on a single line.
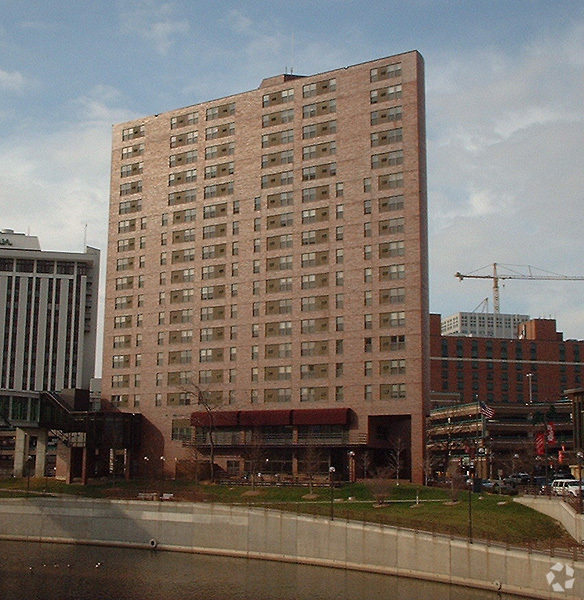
{"points": [[540, 444], [551, 433]]}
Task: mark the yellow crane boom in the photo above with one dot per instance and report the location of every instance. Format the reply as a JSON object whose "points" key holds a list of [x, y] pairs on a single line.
{"points": [[496, 276]]}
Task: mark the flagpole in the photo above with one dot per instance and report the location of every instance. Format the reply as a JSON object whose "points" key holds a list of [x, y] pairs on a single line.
{"points": [[486, 412], [545, 449]]}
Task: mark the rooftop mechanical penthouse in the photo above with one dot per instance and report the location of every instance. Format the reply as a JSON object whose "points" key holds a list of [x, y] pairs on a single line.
{"points": [[267, 257]]}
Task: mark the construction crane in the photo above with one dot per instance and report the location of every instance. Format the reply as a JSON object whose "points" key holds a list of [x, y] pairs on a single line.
{"points": [[496, 277]]}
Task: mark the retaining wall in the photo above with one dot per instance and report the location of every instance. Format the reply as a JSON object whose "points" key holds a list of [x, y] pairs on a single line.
{"points": [[274, 535], [557, 509]]}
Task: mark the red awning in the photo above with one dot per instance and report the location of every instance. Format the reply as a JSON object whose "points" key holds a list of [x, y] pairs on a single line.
{"points": [[256, 418], [220, 418], [264, 418], [321, 416]]}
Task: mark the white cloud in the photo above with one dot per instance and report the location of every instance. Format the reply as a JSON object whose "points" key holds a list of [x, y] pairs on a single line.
{"points": [[239, 22], [97, 105], [12, 81], [154, 22], [505, 178], [55, 184]]}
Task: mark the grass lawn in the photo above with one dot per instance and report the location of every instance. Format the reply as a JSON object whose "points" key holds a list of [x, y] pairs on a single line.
{"points": [[494, 517]]}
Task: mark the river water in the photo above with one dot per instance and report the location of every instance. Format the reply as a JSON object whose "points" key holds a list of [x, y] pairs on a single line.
{"points": [[36, 571]]}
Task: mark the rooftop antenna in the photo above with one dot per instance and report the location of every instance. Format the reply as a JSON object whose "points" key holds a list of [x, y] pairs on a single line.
{"points": [[85, 236], [292, 66]]}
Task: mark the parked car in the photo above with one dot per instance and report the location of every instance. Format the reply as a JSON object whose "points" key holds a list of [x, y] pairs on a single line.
{"points": [[575, 488], [520, 478], [559, 487], [499, 486]]}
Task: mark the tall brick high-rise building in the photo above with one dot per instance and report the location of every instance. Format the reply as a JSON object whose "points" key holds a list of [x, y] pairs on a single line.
{"points": [[269, 249]]}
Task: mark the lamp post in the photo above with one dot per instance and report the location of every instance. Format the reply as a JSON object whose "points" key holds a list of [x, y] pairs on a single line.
{"points": [[580, 456], [352, 474], [530, 384], [513, 463], [162, 475], [470, 509], [28, 464], [331, 478]]}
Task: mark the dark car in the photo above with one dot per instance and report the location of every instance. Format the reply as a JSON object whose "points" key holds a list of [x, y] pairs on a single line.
{"points": [[499, 486], [520, 478]]}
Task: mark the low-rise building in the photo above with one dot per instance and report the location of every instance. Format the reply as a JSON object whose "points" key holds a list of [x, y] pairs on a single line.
{"points": [[523, 379]]}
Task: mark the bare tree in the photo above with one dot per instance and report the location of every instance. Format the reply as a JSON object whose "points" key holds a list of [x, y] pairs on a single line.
{"points": [[193, 451], [312, 459], [456, 481], [204, 399], [366, 462], [396, 456], [381, 476], [520, 457], [254, 454], [431, 463]]}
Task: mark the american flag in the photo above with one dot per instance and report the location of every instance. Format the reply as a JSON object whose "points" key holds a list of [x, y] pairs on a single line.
{"points": [[486, 410]]}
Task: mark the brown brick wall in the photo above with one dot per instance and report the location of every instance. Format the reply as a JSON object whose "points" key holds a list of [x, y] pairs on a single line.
{"points": [[352, 165], [499, 370]]}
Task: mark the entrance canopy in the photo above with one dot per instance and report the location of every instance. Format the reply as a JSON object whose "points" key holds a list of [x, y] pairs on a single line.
{"points": [[265, 418]]}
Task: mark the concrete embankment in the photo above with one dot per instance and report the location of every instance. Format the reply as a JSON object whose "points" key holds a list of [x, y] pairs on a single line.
{"points": [[273, 535], [554, 507]]}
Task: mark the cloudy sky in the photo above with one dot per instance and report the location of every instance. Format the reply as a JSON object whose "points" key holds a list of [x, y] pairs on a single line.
{"points": [[505, 118]]}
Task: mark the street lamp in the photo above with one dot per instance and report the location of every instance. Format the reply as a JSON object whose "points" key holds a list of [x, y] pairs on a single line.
{"points": [[470, 509], [331, 477], [28, 465], [352, 474], [162, 475], [530, 383], [515, 458], [580, 456]]}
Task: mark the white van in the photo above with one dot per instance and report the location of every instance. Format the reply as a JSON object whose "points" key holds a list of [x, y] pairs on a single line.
{"points": [[559, 487]]}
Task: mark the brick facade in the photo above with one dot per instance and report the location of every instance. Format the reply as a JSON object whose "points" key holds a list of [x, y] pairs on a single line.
{"points": [[537, 367], [271, 247]]}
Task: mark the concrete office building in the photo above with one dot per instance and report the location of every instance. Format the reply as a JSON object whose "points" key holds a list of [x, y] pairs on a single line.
{"points": [[483, 324], [270, 248], [48, 317], [48, 303]]}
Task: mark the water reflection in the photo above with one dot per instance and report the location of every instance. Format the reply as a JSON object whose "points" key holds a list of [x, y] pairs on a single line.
{"points": [[61, 572]]}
